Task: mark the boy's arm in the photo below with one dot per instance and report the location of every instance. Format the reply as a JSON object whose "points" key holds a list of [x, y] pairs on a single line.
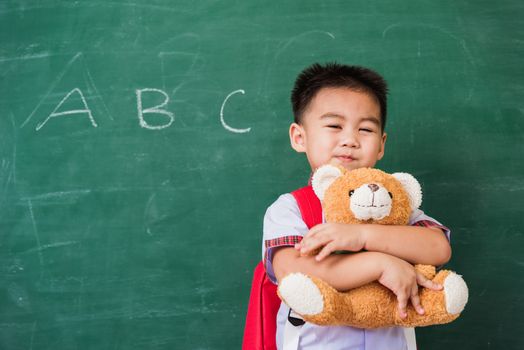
{"points": [[415, 244], [344, 272]]}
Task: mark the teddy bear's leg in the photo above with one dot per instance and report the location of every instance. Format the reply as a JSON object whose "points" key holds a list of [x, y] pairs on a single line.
{"points": [[312, 298], [440, 306], [428, 271], [455, 291]]}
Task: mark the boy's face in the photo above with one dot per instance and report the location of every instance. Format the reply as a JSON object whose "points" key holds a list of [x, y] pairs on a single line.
{"points": [[340, 126]]}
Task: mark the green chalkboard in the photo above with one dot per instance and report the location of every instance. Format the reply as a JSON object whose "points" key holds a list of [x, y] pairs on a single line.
{"points": [[141, 141]]}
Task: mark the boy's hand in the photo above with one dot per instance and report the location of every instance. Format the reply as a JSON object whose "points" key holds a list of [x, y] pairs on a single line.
{"points": [[331, 237], [401, 278]]}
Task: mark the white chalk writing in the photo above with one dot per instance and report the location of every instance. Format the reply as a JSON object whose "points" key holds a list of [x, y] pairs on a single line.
{"points": [[227, 127], [56, 114], [156, 109]]}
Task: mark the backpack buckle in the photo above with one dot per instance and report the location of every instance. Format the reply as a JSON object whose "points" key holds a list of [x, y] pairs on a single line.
{"points": [[295, 319]]}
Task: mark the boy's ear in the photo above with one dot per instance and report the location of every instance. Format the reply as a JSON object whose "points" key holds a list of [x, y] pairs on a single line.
{"points": [[297, 137], [382, 146]]}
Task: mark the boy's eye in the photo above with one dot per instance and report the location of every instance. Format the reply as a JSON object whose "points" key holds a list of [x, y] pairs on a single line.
{"points": [[334, 126], [366, 130]]}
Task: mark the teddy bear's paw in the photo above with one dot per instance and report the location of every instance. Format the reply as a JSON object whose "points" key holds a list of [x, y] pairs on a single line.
{"points": [[301, 294], [456, 293]]}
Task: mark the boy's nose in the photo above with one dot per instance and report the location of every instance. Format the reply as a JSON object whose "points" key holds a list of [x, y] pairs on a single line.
{"points": [[373, 187], [350, 141]]}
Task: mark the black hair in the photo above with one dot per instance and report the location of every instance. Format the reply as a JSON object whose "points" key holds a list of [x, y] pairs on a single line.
{"points": [[332, 75]]}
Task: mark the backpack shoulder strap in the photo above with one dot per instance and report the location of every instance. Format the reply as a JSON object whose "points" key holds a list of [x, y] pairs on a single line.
{"points": [[309, 205], [260, 327]]}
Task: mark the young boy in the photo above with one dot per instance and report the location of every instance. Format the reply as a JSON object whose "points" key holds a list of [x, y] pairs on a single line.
{"points": [[339, 118]]}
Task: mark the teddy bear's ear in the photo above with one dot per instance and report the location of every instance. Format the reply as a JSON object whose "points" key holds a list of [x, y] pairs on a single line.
{"points": [[323, 178], [412, 187]]}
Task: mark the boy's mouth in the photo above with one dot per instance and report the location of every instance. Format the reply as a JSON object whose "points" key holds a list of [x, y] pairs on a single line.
{"points": [[345, 159]]}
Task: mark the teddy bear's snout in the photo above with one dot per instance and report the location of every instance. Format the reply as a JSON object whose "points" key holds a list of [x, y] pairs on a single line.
{"points": [[370, 201]]}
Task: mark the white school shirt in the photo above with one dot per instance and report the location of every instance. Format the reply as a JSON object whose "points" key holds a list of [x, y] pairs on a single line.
{"points": [[282, 219]]}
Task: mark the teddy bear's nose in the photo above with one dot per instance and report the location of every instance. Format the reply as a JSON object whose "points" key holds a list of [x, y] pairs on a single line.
{"points": [[373, 187]]}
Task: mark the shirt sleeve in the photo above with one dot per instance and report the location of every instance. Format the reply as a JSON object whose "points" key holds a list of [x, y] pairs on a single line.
{"points": [[283, 226], [418, 218]]}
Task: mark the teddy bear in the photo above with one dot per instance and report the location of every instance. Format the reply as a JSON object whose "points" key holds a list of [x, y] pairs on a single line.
{"points": [[370, 195]]}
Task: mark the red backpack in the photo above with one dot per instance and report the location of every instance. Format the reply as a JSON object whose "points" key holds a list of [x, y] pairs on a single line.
{"points": [[261, 320]]}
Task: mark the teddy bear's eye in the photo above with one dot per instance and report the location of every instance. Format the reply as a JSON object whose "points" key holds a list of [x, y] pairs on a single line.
{"points": [[390, 195], [351, 192]]}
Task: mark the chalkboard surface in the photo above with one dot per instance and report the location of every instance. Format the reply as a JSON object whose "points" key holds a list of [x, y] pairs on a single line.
{"points": [[140, 143]]}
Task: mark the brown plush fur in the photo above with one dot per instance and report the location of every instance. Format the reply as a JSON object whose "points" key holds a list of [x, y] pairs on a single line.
{"points": [[373, 305], [336, 200]]}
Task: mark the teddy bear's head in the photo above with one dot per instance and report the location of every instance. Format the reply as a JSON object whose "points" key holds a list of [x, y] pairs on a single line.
{"points": [[366, 195]]}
